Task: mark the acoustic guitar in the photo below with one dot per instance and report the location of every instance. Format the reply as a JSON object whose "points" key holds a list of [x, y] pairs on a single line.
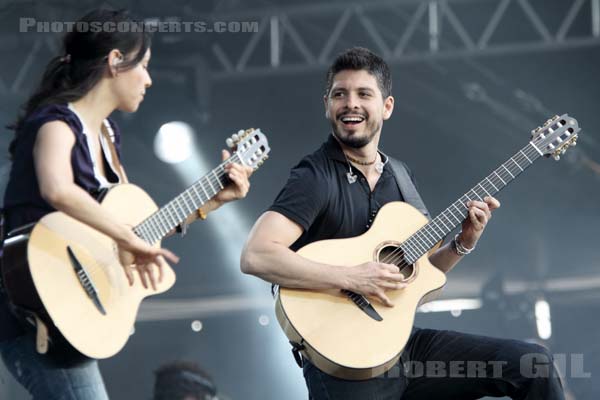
{"points": [[69, 275], [345, 334]]}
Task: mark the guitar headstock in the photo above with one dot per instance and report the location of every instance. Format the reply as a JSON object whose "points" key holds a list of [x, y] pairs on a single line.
{"points": [[556, 135], [250, 146]]}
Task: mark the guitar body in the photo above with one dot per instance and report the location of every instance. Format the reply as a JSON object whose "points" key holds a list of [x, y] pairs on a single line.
{"points": [[333, 332], [39, 275]]}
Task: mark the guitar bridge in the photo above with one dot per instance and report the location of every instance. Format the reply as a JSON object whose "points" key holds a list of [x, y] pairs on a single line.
{"points": [[364, 304], [85, 281]]}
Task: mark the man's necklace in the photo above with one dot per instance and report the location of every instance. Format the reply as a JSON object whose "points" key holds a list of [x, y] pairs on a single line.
{"points": [[378, 166]]}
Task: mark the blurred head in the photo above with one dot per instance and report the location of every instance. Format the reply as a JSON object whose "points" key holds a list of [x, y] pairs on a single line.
{"points": [[181, 380], [358, 96], [90, 55]]}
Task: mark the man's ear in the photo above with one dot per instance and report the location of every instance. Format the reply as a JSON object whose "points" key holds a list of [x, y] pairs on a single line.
{"points": [[327, 115], [388, 107]]}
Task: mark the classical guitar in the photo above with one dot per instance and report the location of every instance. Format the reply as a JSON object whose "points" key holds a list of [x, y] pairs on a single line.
{"points": [[344, 333], [69, 275]]}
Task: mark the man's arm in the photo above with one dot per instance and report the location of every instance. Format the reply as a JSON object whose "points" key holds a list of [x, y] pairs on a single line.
{"points": [[267, 255]]}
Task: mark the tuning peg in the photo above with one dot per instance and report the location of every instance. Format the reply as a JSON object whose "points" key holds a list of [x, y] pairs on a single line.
{"points": [[235, 138], [229, 143], [556, 157], [555, 118]]}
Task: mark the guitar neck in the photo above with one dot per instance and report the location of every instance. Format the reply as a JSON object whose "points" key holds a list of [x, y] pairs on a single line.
{"points": [[439, 227], [175, 212]]}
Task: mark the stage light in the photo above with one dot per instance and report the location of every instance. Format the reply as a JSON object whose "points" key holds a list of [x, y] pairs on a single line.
{"points": [[542, 319], [455, 306], [197, 326], [263, 320], [174, 142]]}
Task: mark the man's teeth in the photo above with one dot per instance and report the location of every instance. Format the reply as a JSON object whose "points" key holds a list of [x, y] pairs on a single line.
{"points": [[352, 119]]}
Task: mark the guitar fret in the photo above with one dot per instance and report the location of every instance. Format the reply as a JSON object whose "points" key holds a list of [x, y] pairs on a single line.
{"points": [[499, 177], [525, 155], [425, 237], [183, 205], [205, 192], [211, 186], [438, 227], [190, 196], [428, 229], [189, 201], [536, 149], [146, 233], [461, 212], [179, 208], [511, 175], [155, 232], [476, 194], [458, 220], [444, 225], [517, 164], [486, 192], [447, 219], [411, 249], [491, 183], [169, 213], [198, 194], [161, 223], [218, 180], [418, 244], [432, 235]]}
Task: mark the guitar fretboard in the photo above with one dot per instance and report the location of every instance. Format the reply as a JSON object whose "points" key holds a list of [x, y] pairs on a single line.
{"points": [[164, 220], [440, 226]]}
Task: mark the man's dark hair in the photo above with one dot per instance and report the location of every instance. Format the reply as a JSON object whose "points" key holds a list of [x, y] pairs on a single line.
{"points": [[359, 58], [178, 379]]}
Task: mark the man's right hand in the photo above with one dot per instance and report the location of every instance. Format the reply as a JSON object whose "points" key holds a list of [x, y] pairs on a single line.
{"points": [[373, 279]]}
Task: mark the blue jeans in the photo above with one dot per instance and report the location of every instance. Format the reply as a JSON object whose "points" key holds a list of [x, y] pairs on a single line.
{"points": [[451, 365], [45, 379]]}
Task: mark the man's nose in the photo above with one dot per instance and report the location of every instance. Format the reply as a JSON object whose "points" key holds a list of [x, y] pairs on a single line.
{"points": [[352, 100]]}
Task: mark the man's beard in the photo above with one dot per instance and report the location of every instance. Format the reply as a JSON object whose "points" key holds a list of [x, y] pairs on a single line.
{"points": [[352, 141]]}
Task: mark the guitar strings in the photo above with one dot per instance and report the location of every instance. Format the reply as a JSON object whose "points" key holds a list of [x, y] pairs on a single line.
{"points": [[397, 255], [161, 221]]}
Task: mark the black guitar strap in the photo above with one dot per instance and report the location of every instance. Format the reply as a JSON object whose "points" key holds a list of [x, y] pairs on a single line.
{"points": [[407, 187]]}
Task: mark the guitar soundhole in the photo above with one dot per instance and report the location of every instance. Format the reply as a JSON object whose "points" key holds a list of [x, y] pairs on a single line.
{"points": [[390, 253]]}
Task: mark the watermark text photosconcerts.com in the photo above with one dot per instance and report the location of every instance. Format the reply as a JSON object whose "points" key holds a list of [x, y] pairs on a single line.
{"points": [[27, 24]]}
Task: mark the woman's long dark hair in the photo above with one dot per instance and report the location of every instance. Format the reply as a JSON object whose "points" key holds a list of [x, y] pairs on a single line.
{"points": [[69, 76]]}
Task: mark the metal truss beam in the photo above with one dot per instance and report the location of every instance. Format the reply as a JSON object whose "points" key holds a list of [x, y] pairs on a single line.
{"points": [[303, 38], [439, 18]]}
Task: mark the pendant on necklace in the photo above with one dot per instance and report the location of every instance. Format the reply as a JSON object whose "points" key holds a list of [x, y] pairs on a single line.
{"points": [[351, 177], [379, 166]]}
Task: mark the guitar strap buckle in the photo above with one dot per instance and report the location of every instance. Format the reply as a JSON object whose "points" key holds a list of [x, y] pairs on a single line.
{"points": [[296, 349]]}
